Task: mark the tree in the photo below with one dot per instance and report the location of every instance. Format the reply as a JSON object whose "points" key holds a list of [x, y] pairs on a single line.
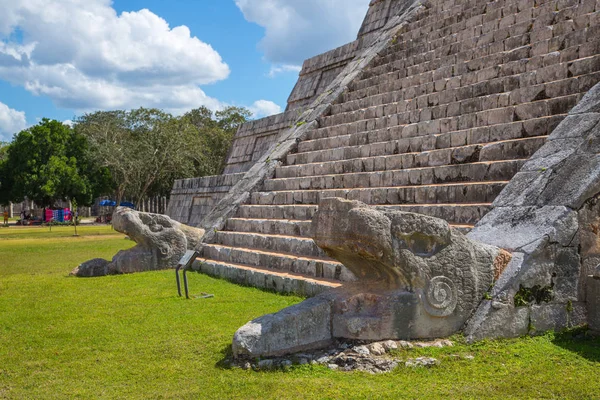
{"points": [[145, 150], [163, 151], [4, 177], [231, 118], [216, 135], [46, 163], [4, 150], [109, 145]]}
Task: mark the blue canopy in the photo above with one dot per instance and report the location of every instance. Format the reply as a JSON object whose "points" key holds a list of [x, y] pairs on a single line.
{"points": [[127, 204], [108, 203]]}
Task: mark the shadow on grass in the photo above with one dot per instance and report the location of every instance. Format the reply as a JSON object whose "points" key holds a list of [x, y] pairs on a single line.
{"points": [[226, 361], [580, 342]]}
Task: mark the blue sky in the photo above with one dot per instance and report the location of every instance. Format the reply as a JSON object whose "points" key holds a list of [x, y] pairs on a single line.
{"points": [[62, 58]]}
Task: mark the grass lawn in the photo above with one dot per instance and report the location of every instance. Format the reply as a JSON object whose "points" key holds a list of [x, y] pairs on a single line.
{"points": [[129, 337]]}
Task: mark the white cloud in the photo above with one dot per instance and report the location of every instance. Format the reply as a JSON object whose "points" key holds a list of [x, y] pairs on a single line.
{"points": [[264, 108], [85, 56], [283, 68], [296, 30], [11, 122]]}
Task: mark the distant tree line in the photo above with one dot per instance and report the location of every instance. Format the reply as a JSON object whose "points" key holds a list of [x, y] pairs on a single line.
{"points": [[126, 154]]}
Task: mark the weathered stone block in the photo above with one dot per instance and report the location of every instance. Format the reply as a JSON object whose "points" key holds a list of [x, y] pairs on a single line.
{"points": [[301, 327], [557, 317], [532, 110], [497, 320]]}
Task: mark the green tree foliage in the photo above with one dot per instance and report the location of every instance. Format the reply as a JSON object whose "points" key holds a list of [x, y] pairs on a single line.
{"points": [[145, 150], [216, 134], [133, 154], [46, 163], [4, 187]]}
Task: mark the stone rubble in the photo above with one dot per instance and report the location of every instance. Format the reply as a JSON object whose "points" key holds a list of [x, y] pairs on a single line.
{"points": [[422, 362], [372, 357]]}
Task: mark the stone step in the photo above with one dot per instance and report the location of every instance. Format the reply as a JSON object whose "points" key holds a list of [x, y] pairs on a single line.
{"points": [[453, 213], [481, 76], [262, 278], [409, 138], [414, 136], [401, 72], [460, 216], [308, 266], [464, 91], [278, 212], [388, 163], [461, 99], [429, 53], [534, 19], [270, 226], [301, 246], [438, 41], [398, 156], [440, 113], [466, 192], [477, 171], [462, 20]]}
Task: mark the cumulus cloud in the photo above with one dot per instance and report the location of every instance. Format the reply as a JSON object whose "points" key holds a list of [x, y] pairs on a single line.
{"points": [[264, 108], [11, 122], [283, 68], [296, 30], [85, 56]]}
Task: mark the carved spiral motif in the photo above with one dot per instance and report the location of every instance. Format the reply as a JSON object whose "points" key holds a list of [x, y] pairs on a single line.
{"points": [[440, 296]]}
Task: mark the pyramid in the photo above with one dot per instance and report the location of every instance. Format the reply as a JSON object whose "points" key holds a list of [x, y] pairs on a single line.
{"points": [[443, 108]]}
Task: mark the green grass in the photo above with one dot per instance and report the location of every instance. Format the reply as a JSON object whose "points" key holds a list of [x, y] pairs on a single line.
{"points": [[47, 232], [130, 337]]}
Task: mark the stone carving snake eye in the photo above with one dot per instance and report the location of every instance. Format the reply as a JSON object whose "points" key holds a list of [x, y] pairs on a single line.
{"points": [[440, 296]]}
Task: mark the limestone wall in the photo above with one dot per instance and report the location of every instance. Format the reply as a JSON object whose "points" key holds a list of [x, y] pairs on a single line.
{"points": [[192, 199], [254, 138], [380, 11], [318, 72]]}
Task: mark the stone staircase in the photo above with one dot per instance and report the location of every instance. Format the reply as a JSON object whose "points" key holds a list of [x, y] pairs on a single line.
{"points": [[437, 124]]}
